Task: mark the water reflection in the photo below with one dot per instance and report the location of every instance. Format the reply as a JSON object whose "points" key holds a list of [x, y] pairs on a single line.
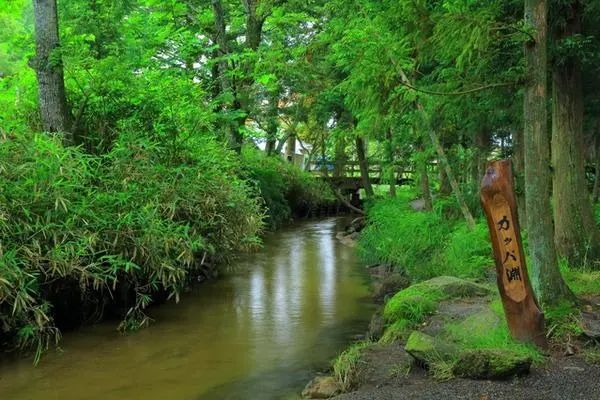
{"points": [[258, 333]]}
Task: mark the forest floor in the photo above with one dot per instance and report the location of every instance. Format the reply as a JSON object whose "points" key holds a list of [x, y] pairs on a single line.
{"points": [[561, 378]]}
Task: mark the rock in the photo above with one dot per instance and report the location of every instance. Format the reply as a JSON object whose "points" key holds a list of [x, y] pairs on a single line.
{"points": [[453, 287], [418, 205], [426, 349], [491, 364], [376, 327], [590, 324], [321, 387], [389, 285]]}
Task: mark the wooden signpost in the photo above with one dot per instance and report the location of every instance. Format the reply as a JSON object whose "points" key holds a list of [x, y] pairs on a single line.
{"points": [[525, 319]]}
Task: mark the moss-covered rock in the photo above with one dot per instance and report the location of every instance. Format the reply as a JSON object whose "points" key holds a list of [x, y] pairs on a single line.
{"points": [[427, 349], [491, 364], [453, 287], [417, 301]]}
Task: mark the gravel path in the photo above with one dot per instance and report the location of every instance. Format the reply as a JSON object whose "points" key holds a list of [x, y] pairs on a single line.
{"points": [[568, 378]]}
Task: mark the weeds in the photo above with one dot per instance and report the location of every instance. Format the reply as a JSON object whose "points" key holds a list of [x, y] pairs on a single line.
{"points": [[347, 367]]}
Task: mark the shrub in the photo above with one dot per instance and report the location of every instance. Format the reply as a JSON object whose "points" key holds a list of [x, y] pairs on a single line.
{"points": [[119, 228], [285, 189]]}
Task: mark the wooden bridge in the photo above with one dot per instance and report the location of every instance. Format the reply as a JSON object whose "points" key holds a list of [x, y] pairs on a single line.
{"points": [[347, 177]]}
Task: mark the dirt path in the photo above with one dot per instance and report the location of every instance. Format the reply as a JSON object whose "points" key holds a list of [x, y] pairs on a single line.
{"points": [[565, 378]]}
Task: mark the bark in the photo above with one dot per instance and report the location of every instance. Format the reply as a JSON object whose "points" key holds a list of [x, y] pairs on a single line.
{"points": [[254, 24], [545, 274], [272, 123], [445, 188], [576, 234], [519, 171], [596, 190], [290, 148], [390, 163], [54, 111], [453, 182], [340, 157], [421, 170], [364, 166], [232, 132]]}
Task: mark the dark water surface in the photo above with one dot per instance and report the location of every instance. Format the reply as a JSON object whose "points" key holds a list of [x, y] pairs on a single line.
{"points": [[259, 332]]}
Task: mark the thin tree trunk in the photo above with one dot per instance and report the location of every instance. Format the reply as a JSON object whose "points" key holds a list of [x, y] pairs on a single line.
{"points": [[546, 276], [390, 161], [55, 114], [576, 234], [364, 166], [421, 170], [453, 182], [596, 190], [272, 123]]}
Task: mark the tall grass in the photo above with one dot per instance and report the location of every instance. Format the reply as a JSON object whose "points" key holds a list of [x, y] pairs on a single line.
{"points": [[423, 244], [121, 228]]}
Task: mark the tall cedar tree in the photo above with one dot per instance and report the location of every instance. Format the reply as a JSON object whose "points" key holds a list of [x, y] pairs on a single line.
{"points": [[551, 287], [48, 66]]}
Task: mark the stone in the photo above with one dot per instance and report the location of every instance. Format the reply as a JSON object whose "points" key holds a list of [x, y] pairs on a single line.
{"points": [[453, 287], [376, 327], [426, 349], [321, 387], [590, 324], [491, 364], [388, 286]]}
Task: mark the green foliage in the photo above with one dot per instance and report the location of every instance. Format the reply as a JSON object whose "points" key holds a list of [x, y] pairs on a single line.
{"points": [[347, 367], [423, 244], [489, 330], [138, 219], [286, 190]]}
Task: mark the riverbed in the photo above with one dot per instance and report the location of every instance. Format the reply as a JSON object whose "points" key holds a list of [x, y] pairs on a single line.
{"points": [[260, 331]]}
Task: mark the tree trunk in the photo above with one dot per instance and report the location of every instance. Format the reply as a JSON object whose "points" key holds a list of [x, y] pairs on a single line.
{"points": [[290, 148], [445, 188], [455, 187], [340, 159], [54, 111], [272, 123], [232, 132], [596, 190], [576, 234], [254, 24], [390, 161], [546, 276], [364, 166], [421, 170], [519, 171]]}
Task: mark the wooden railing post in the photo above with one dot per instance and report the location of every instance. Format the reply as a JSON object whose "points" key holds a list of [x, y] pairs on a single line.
{"points": [[524, 317]]}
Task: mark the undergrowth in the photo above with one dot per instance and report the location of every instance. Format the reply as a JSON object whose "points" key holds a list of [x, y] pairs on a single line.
{"points": [[423, 244], [86, 236], [347, 367]]}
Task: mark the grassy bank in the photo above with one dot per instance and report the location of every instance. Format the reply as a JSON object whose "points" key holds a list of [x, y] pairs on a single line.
{"points": [[425, 245], [86, 237]]}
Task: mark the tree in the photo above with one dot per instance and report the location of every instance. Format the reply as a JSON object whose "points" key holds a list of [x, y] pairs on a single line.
{"points": [[56, 116], [577, 236], [544, 265]]}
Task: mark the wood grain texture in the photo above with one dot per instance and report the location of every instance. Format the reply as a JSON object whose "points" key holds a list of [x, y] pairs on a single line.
{"points": [[523, 314]]}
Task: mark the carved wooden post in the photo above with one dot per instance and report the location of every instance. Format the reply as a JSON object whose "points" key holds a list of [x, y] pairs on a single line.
{"points": [[525, 320]]}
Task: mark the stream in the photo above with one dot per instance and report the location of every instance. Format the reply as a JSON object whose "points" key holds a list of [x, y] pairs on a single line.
{"points": [[261, 331]]}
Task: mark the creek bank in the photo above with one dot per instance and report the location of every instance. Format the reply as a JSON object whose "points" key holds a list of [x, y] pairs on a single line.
{"points": [[426, 356]]}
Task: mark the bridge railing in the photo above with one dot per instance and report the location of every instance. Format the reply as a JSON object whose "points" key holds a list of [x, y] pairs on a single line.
{"points": [[351, 169]]}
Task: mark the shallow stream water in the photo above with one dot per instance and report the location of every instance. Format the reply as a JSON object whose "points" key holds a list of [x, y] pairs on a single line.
{"points": [[261, 331]]}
